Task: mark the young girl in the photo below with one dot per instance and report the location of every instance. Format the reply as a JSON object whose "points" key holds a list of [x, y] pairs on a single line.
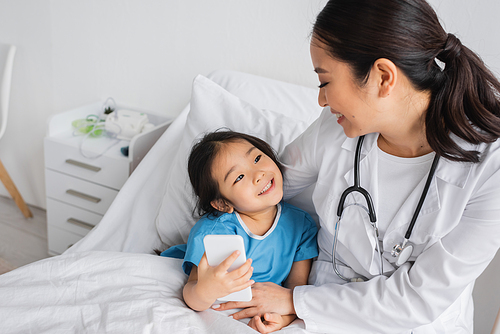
{"points": [[238, 181]]}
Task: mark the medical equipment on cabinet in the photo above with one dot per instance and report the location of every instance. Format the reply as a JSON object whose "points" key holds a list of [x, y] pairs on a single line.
{"points": [[401, 251], [120, 123], [116, 124], [127, 123]]}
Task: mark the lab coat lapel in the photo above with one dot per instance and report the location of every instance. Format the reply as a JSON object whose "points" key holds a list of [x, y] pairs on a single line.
{"points": [[363, 246]]}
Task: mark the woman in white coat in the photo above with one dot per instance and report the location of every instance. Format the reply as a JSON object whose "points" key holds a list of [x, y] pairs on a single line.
{"points": [[389, 72]]}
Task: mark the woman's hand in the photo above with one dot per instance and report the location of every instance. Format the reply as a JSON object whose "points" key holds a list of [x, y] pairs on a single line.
{"points": [[266, 298], [270, 322]]}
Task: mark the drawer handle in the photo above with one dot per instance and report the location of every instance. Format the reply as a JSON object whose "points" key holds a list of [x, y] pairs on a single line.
{"points": [[83, 165], [83, 196], [80, 223]]}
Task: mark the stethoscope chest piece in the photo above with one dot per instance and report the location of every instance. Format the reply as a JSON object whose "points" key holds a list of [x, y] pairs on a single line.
{"points": [[402, 253]]}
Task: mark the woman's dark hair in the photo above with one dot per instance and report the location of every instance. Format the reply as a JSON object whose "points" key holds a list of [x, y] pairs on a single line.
{"points": [[201, 160], [464, 96]]}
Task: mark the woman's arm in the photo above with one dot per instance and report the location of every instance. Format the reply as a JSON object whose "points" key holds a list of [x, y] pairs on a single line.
{"points": [[206, 283], [300, 159], [270, 322], [272, 298]]}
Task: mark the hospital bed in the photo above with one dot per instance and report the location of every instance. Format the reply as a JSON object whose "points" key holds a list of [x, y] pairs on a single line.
{"points": [[111, 281]]}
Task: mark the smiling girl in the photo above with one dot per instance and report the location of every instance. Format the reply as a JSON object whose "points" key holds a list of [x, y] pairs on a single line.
{"points": [[239, 186]]}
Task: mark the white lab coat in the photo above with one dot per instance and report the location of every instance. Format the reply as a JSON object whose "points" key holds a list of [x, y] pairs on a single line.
{"points": [[456, 235]]}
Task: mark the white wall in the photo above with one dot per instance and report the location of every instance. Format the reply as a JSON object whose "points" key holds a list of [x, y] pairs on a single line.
{"points": [[477, 25], [144, 53]]}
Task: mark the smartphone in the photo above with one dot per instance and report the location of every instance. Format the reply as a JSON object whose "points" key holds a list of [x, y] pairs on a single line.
{"points": [[219, 247]]}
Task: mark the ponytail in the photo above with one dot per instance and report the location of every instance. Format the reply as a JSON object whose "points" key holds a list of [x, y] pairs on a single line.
{"points": [[464, 94], [465, 103]]}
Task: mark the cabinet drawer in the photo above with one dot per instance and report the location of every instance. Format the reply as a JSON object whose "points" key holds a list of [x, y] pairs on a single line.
{"points": [[77, 192], [108, 171], [71, 218], [60, 240]]}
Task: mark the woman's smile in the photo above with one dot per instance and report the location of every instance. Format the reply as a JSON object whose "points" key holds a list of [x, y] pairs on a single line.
{"points": [[340, 117]]}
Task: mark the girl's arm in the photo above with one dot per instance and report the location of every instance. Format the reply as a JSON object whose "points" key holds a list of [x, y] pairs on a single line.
{"points": [[206, 283], [298, 274]]}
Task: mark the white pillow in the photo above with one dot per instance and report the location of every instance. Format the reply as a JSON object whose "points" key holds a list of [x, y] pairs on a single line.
{"points": [[212, 108], [264, 93]]}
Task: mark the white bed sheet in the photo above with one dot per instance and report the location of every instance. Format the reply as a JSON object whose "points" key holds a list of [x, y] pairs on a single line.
{"points": [[106, 292]]}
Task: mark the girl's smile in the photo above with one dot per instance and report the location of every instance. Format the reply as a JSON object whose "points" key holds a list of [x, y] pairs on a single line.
{"points": [[268, 188]]}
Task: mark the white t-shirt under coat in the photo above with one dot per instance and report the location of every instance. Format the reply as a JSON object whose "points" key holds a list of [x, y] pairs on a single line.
{"points": [[397, 177]]}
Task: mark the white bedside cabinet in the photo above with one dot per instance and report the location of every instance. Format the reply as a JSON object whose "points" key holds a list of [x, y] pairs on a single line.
{"points": [[81, 186]]}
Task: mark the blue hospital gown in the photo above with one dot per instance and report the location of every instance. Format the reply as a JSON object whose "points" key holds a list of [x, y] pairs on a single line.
{"points": [[292, 237]]}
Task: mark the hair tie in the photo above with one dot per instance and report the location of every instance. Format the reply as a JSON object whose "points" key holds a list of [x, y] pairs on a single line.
{"points": [[440, 64], [450, 51]]}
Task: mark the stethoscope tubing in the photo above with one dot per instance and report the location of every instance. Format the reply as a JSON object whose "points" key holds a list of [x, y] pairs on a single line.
{"points": [[334, 250], [422, 197], [371, 211], [356, 186]]}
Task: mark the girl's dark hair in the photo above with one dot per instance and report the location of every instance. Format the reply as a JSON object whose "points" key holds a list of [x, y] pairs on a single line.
{"points": [[201, 160], [464, 96]]}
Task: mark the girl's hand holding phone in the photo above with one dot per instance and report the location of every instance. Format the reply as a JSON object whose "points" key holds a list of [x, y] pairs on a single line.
{"points": [[217, 282]]}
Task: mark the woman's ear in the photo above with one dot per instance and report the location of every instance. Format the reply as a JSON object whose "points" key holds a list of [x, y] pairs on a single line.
{"points": [[222, 206], [385, 73]]}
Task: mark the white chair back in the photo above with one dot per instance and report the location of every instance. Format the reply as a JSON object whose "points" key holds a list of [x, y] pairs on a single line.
{"points": [[7, 53]]}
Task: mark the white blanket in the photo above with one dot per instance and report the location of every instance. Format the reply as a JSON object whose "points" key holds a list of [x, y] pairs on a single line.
{"points": [[106, 292]]}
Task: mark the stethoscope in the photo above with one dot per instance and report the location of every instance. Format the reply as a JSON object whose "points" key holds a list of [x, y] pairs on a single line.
{"points": [[401, 252]]}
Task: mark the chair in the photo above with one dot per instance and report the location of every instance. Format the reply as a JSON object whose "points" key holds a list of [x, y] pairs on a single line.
{"points": [[7, 53]]}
